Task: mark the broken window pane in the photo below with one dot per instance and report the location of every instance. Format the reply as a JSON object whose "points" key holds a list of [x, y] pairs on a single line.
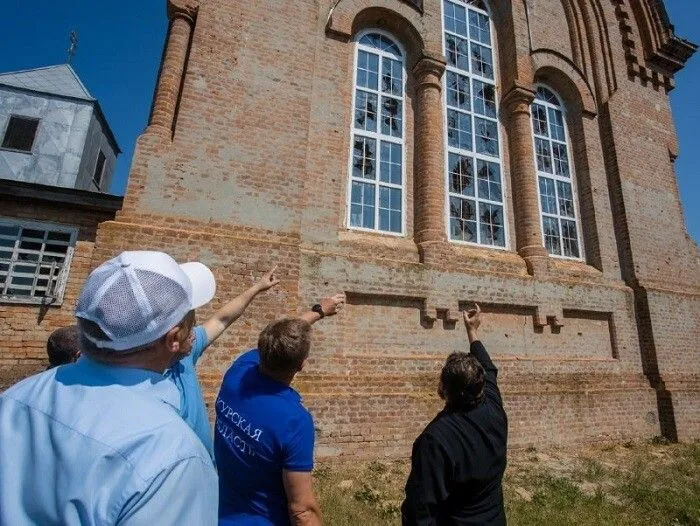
{"points": [[459, 130], [392, 76], [489, 177], [491, 224], [458, 91], [486, 136], [364, 157], [461, 174], [482, 62], [544, 155], [391, 117], [539, 120], [457, 51], [550, 228], [365, 111], [485, 99]]}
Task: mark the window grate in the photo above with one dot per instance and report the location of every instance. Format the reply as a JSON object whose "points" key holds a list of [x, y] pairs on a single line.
{"points": [[34, 261]]}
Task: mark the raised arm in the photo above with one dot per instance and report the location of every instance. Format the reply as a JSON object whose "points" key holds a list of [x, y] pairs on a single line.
{"points": [[233, 310], [472, 321], [329, 307]]}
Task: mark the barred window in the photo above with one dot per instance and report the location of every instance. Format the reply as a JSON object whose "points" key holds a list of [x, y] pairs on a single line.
{"points": [[34, 261], [560, 228], [474, 177], [376, 194]]}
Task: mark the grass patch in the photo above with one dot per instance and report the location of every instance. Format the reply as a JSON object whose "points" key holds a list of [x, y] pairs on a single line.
{"points": [[635, 483]]}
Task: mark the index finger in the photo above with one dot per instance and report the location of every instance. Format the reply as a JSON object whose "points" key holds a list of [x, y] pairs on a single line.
{"points": [[273, 269]]}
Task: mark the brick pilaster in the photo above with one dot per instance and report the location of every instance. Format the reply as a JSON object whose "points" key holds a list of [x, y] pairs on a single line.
{"points": [[516, 104], [181, 17], [428, 151]]}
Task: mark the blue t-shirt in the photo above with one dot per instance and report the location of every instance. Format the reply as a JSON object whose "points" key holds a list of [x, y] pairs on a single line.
{"points": [[192, 408], [261, 429]]}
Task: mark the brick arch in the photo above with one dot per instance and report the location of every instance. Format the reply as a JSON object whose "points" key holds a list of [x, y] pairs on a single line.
{"points": [[398, 18], [557, 71], [593, 54]]}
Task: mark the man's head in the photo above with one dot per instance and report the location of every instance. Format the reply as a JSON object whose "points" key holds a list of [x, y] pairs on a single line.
{"points": [[63, 346], [138, 309], [462, 381], [284, 346]]}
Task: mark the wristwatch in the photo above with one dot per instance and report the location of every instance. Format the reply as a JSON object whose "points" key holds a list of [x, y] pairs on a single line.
{"points": [[318, 309]]}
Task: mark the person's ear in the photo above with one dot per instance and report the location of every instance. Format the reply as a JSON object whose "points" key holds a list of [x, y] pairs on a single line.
{"points": [[171, 340]]}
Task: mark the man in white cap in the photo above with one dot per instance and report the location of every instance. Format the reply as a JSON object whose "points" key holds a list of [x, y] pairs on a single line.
{"points": [[101, 441]]}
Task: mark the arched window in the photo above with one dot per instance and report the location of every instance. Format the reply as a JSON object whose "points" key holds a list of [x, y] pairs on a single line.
{"points": [[474, 181], [560, 228], [377, 182]]}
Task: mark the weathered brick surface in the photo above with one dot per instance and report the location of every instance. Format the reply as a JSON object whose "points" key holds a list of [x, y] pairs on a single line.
{"points": [[246, 164], [25, 328]]}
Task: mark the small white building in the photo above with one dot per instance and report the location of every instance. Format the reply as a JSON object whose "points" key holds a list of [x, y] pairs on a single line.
{"points": [[53, 132]]}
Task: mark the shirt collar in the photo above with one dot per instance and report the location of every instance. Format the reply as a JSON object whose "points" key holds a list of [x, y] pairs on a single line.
{"points": [[150, 382]]}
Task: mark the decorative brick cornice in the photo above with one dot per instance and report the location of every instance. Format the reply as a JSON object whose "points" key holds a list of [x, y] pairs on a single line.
{"points": [[654, 53], [186, 9]]}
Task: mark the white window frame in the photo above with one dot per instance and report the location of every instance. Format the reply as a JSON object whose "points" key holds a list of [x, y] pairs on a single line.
{"points": [[377, 136], [557, 178], [58, 279], [472, 153]]}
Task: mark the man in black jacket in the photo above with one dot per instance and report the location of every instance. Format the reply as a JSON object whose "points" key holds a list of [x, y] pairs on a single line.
{"points": [[458, 461]]}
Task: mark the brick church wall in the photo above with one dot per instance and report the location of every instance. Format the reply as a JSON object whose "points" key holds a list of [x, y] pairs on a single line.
{"points": [[25, 328], [245, 164]]}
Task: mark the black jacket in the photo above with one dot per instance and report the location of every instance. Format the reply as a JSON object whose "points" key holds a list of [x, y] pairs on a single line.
{"points": [[458, 462]]}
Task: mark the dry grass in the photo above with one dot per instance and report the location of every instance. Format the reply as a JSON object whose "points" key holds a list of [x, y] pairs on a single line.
{"points": [[626, 484]]}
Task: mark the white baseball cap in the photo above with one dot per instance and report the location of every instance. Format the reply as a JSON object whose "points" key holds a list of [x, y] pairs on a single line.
{"points": [[137, 297]]}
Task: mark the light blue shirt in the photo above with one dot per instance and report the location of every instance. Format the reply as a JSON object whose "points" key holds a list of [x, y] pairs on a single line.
{"points": [[91, 444], [192, 408]]}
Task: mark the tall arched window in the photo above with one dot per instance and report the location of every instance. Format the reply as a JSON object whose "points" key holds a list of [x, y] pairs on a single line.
{"points": [[560, 228], [377, 182], [474, 182]]}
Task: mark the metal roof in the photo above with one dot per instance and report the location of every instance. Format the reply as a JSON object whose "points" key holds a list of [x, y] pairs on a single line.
{"points": [[55, 80]]}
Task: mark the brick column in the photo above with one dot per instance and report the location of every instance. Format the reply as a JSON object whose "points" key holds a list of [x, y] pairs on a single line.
{"points": [[181, 16], [429, 179], [516, 104]]}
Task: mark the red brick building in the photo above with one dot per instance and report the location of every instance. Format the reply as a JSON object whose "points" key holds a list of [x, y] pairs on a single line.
{"points": [[421, 155]]}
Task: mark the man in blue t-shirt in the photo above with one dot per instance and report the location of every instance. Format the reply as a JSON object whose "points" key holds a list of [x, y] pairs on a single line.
{"points": [[183, 373], [264, 437]]}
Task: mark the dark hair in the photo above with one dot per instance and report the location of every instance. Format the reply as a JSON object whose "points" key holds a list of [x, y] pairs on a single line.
{"points": [[63, 346], [462, 382], [284, 345]]}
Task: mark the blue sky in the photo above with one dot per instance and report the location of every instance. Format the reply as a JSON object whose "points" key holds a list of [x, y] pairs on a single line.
{"points": [[121, 43]]}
